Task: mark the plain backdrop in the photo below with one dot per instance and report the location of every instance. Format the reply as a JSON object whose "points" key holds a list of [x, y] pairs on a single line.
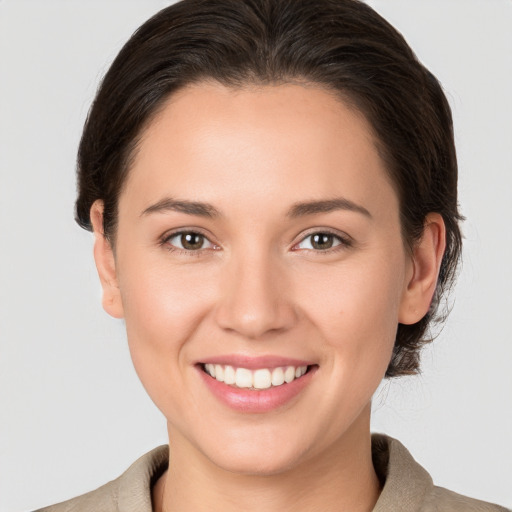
{"points": [[73, 414]]}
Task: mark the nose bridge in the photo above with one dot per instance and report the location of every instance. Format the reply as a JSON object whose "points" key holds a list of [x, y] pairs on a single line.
{"points": [[254, 299]]}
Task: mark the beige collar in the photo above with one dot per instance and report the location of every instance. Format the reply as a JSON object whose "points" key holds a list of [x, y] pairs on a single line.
{"points": [[405, 482]]}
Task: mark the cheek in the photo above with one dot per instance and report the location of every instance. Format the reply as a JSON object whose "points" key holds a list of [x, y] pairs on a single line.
{"points": [[163, 301], [163, 306], [356, 309]]}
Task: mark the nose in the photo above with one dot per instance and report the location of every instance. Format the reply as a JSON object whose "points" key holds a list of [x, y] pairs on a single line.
{"points": [[255, 299]]}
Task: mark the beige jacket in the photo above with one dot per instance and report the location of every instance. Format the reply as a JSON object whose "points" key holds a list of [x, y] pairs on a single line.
{"points": [[407, 486]]}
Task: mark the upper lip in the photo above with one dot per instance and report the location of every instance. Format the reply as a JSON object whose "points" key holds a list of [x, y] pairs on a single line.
{"points": [[255, 362]]}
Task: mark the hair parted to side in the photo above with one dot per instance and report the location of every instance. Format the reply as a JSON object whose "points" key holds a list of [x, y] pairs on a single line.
{"points": [[342, 45]]}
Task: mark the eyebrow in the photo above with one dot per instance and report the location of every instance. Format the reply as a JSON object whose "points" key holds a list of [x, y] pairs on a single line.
{"points": [[297, 210], [183, 206], [326, 206]]}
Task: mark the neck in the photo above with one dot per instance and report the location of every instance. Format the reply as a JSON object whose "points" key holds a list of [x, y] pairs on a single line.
{"points": [[342, 478]]}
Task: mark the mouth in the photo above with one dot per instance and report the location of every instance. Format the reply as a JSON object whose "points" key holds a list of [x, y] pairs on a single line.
{"points": [[268, 384], [255, 379]]}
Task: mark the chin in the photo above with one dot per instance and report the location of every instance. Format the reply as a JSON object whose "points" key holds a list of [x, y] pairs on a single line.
{"points": [[258, 462], [261, 452]]}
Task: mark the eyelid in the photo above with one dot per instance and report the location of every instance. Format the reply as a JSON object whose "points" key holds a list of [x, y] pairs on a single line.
{"points": [[345, 240], [164, 240]]}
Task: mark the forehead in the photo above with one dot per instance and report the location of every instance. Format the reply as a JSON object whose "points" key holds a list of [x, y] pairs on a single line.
{"points": [[275, 141], [284, 112]]}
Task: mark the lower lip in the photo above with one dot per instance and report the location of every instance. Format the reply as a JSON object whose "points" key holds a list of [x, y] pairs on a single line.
{"points": [[256, 401]]}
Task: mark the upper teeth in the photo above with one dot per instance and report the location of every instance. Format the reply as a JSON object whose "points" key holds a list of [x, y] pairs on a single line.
{"points": [[258, 379]]}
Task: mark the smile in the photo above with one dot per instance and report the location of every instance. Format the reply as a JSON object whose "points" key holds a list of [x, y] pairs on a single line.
{"points": [[256, 385], [262, 378]]}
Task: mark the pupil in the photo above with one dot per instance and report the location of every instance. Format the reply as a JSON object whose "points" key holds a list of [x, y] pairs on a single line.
{"points": [[192, 241], [322, 241]]}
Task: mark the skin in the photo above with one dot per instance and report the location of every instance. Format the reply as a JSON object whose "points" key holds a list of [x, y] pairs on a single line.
{"points": [[258, 286]]}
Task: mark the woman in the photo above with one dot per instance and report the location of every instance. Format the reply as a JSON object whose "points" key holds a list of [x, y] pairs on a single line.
{"points": [[272, 188]]}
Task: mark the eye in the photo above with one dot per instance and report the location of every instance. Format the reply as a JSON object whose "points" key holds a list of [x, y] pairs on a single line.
{"points": [[188, 241], [322, 241]]}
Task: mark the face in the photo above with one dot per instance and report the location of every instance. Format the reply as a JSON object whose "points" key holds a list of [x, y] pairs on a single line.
{"points": [[258, 232]]}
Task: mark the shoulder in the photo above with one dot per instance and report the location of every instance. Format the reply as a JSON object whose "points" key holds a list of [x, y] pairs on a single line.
{"points": [[129, 492], [104, 498], [440, 499], [407, 487]]}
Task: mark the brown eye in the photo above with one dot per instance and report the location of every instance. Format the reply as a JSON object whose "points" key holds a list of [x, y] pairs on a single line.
{"points": [[189, 241], [321, 241]]}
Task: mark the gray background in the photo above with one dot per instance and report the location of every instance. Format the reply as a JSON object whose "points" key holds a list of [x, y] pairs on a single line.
{"points": [[72, 412]]}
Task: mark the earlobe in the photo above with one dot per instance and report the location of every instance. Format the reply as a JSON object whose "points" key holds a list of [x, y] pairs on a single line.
{"points": [[426, 263], [105, 264]]}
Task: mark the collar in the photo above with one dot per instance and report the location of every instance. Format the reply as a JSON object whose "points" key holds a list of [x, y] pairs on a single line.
{"points": [[405, 483]]}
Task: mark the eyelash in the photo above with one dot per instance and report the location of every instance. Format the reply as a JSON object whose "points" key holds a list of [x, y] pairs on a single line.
{"points": [[188, 252], [345, 242]]}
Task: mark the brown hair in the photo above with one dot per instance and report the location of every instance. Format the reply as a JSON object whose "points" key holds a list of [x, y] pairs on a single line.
{"points": [[342, 45]]}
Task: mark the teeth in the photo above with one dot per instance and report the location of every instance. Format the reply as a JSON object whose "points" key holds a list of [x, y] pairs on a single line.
{"points": [[277, 377], [263, 378], [229, 375], [289, 374], [243, 378], [219, 372], [210, 368]]}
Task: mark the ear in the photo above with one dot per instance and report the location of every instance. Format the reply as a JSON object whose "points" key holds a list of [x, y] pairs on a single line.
{"points": [[105, 264], [425, 264]]}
